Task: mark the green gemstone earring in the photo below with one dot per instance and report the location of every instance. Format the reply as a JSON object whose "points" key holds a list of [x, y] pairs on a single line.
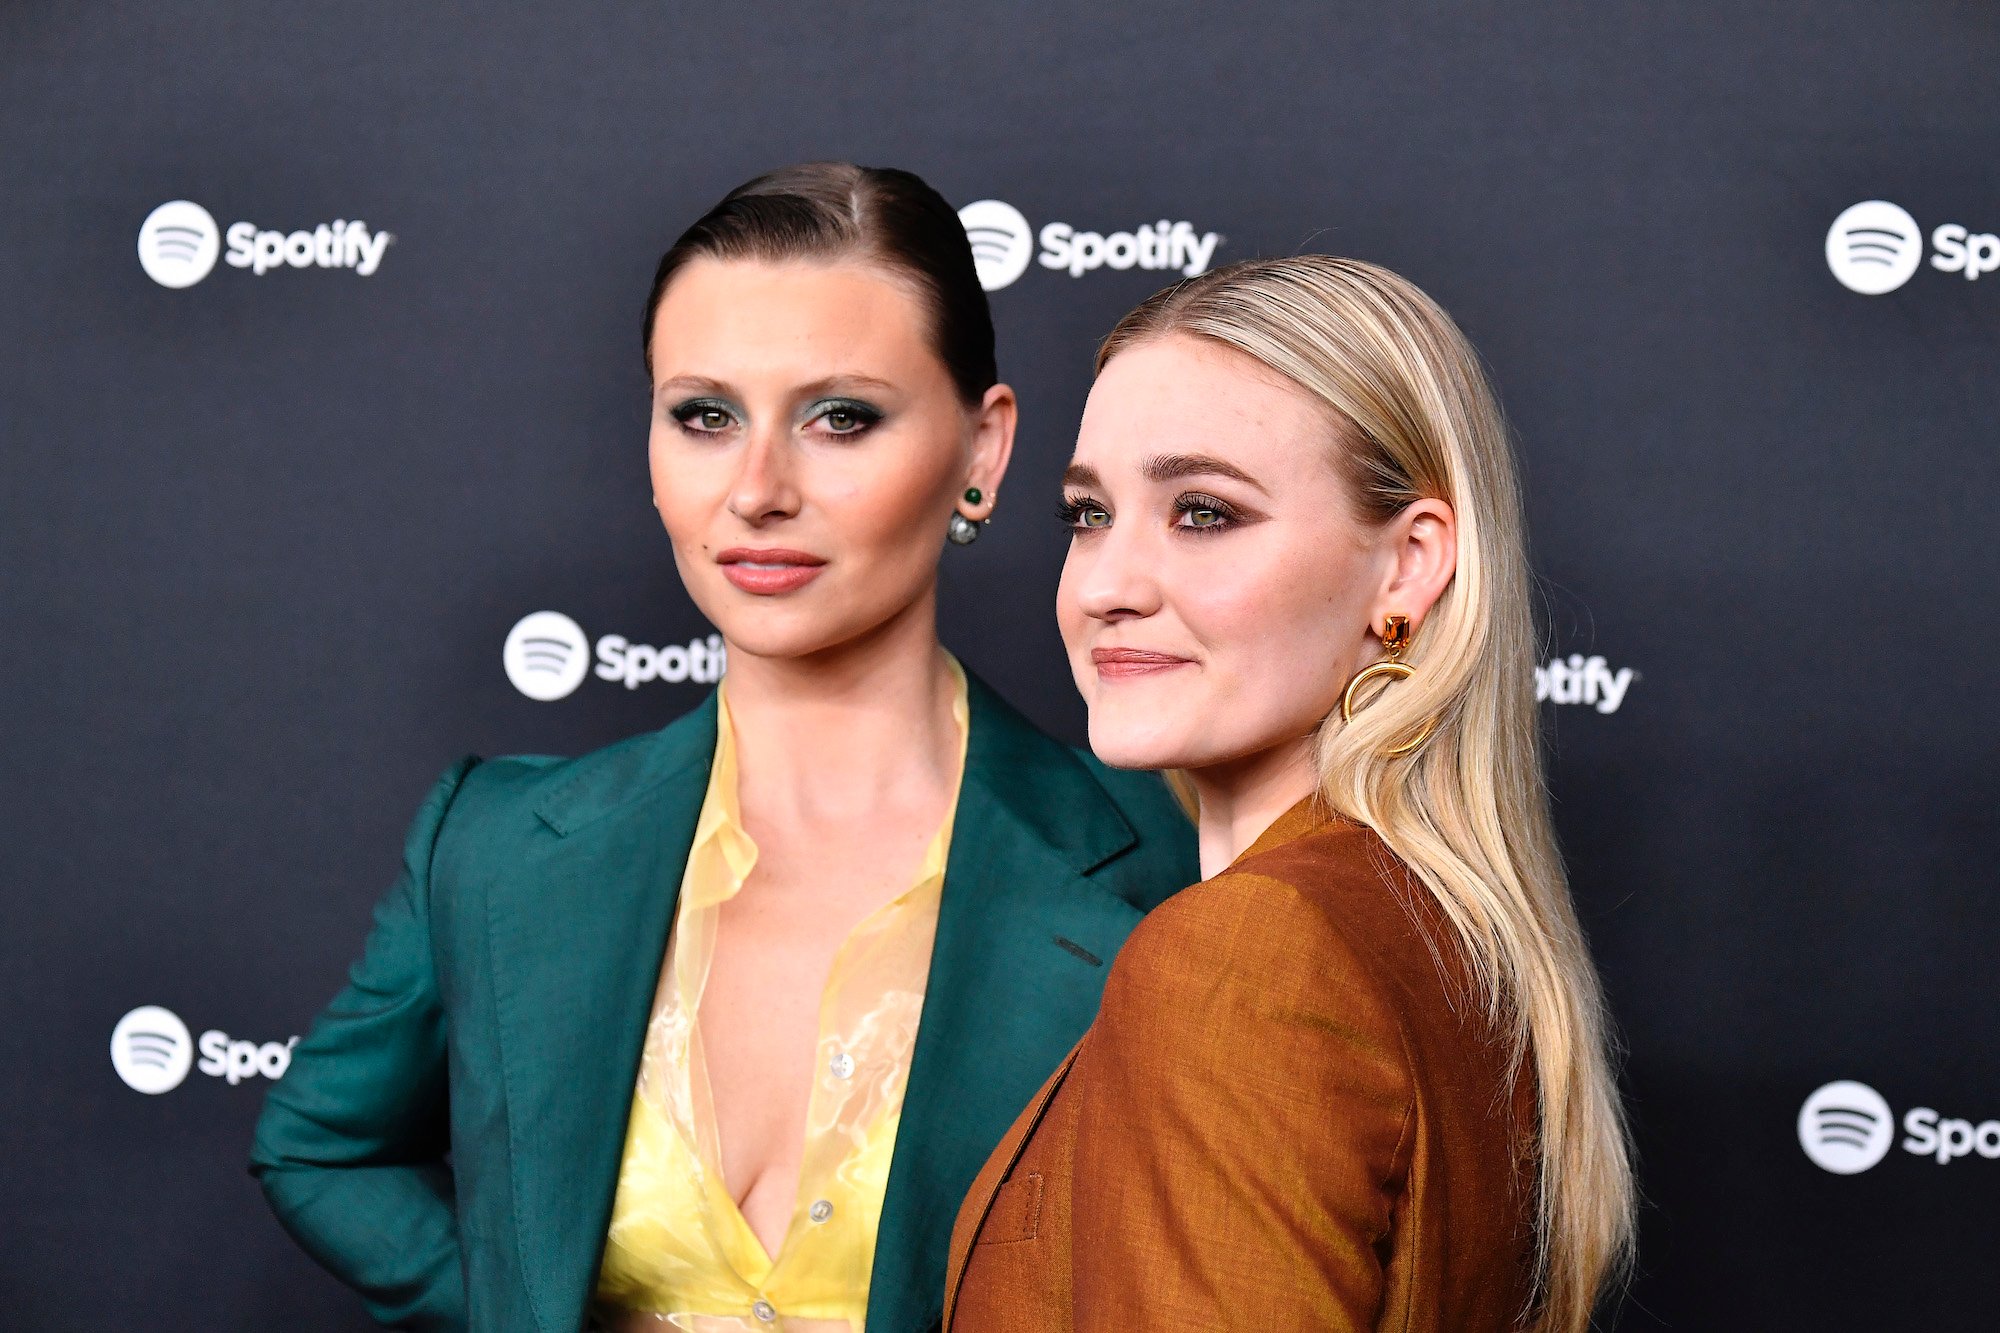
{"points": [[962, 530]]}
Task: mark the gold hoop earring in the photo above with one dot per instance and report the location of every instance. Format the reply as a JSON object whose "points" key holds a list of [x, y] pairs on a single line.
{"points": [[1395, 638]]}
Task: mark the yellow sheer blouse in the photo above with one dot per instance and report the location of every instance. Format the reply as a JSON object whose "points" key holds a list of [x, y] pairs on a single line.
{"points": [[679, 1254]]}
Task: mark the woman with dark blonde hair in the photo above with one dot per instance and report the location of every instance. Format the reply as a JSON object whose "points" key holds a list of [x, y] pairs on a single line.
{"points": [[1356, 1078]]}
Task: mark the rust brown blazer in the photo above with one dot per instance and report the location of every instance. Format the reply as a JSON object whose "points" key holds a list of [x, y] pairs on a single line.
{"points": [[1287, 1115]]}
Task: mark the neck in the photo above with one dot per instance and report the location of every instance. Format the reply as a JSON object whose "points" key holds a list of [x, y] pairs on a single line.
{"points": [[1242, 797], [828, 735]]}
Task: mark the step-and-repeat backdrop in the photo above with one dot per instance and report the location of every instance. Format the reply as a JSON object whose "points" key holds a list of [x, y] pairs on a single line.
{"points": [[319, 376]]}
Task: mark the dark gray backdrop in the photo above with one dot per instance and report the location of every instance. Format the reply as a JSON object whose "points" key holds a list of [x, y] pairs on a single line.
{"points": [[264, 536]]}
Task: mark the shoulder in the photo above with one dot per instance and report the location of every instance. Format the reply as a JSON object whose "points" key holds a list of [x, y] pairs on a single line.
{"points": [[1329, 927], [1242, 992], [1322, 961], [1245, 943], [499, 800]]}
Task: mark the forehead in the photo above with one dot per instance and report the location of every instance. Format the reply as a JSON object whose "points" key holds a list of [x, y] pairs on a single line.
{"points": [[1180, 394], [747, 318]]}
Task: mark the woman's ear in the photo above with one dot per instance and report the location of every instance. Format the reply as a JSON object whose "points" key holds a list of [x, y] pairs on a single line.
{"points": [[1422, 546], [992, 446]]}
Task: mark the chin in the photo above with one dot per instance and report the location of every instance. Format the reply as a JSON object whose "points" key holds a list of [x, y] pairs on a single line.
{"points": [[785, 629], [777, 637], [1125, 741]]}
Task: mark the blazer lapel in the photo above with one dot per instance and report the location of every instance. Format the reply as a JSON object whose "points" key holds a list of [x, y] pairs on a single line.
{"points": [[577, 939], [1024, 938]]}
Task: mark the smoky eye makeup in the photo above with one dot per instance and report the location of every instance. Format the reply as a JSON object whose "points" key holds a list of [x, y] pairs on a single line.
{"points": [[844, 416], [1194, 511], [703, 416], [1200, 512]]}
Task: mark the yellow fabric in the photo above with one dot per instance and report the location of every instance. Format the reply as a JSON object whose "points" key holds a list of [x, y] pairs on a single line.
{"points": [[679, 1254]]}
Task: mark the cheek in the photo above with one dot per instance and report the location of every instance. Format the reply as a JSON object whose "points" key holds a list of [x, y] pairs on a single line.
{"points": [[1250, 597], [1069, 613], [1073, 624], [1281, 624], [888, 506], [656, 464], [684, 492]]}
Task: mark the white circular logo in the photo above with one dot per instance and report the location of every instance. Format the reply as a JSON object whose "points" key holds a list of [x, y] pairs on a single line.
{"points": [[1874, 247], [1845, 1127], [1001, 243], [151, 1050], [178, 243], [546, 655]]}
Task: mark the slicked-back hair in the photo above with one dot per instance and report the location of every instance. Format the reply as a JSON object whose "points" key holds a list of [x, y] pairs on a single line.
{"points": [[830, 211]]}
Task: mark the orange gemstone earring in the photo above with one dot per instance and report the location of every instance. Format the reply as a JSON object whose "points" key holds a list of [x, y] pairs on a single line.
{"points": [[1395, 640]]}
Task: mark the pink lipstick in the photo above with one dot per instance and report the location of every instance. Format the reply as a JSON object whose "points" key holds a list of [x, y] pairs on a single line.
{"points": [[769, 571], [1127, 663]]}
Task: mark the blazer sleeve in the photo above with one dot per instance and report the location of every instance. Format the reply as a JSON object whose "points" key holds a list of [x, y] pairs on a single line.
{"points": [[351, 1147], [1246, 1124]]}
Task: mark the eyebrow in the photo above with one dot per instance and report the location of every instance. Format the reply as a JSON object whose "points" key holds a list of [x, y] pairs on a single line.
{"points": [[1172, 467], [1167, 467], [689, 384], [840, 383], [818, 388]]}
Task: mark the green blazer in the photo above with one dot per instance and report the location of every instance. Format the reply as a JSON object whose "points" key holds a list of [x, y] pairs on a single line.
{"points": [[448, 1137]]}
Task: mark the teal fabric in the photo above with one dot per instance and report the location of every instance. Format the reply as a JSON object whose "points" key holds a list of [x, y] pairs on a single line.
{"points": [[448, 1136]]}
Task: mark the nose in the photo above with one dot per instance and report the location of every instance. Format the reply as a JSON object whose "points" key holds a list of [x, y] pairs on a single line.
{"points": [[765, 489], [1114, 575]]}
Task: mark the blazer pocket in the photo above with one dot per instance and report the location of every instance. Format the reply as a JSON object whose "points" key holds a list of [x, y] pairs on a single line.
{"points": [[1016, 1211]]}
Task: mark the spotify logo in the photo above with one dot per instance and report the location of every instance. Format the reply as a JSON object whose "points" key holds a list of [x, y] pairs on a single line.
{"points": [[1002, 244], [546, 655], [1874, 247], [1001, 241], [178, 243], [151, 1050], [1846, 1127]]}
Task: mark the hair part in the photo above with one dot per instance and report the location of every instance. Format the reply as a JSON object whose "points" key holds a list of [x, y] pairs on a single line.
{"points": [[832, 211], [1468, 811]]}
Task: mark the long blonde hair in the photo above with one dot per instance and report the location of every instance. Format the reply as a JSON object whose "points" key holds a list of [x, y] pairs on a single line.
{"points": [[1468, 811]]}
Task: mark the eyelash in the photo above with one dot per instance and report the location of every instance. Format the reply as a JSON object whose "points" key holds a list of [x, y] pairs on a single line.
{"points": [[865, 416], [1071, 511], [685, 414], [1225, 516]]}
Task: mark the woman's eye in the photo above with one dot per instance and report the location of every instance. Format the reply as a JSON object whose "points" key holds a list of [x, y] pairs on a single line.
{"points": [[704, 418], [844, 418], [1083, 514], [1201, 513]]}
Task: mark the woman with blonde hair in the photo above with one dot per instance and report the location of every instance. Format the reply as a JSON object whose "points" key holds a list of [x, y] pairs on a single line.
{"points": [[1356, 1078]]}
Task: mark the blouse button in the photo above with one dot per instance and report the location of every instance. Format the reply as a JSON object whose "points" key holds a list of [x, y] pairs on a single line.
{"points": [[765, 1311], [842, 1065], [821, 1211]]}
